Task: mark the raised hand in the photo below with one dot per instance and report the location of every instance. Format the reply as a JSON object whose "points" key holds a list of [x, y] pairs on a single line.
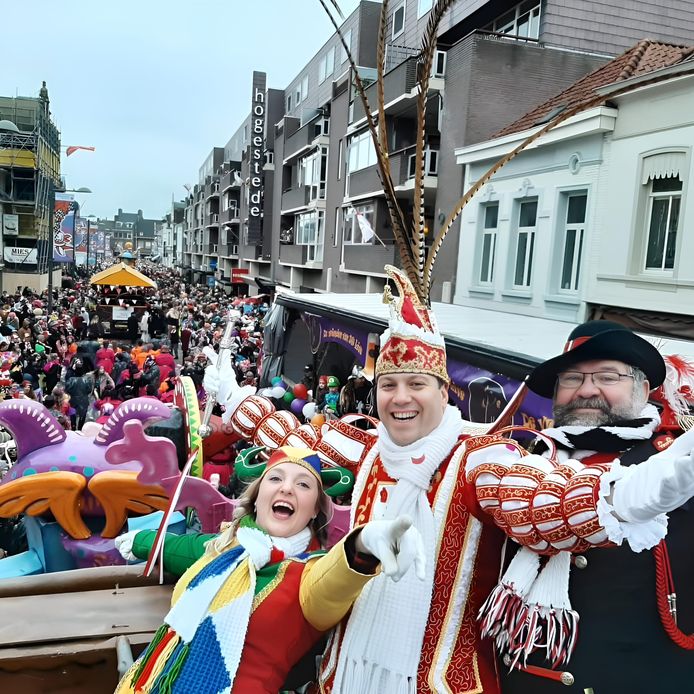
{"points": [[396, 544]]}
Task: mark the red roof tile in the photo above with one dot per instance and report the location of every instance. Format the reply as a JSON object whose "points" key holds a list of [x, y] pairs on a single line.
{"points": [[646, 56]]}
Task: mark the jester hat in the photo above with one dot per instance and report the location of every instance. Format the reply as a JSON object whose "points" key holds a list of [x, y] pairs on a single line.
{"points": [[335, 481]]}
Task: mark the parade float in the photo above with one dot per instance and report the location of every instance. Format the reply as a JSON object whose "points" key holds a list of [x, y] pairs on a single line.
{"points": [[73, 615], [122, 290]]}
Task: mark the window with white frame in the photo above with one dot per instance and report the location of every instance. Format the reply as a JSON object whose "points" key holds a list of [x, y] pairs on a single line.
{"points": [[490, 224], [431, 163], [348, 40], [398, 21], [423, 7], [313, 173], [523, 20], [664, 199], [304, 88], [525, 243], [340, 147], [352, 233], [309, 230], [573, 241], [326, 66], [338, 222], [289, 103], [361, 152]]}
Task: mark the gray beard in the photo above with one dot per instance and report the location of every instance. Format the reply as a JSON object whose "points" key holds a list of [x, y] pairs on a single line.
{"points": [[566, 415]]}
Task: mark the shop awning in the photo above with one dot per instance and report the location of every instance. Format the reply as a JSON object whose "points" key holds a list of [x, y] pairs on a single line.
{"points": [[122, 275]]}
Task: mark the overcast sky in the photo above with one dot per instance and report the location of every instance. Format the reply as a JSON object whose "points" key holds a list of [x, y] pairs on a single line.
{"points": [[152, 84]]}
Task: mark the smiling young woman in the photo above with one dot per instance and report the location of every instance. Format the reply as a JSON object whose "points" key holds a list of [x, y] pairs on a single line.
{"points": [[266, 569]]}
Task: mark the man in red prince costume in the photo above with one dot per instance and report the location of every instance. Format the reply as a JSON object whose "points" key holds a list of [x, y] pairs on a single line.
{"points": [[414, 635], [424, 636]]}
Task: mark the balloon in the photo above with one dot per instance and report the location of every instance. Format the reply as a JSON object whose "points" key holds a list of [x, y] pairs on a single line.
{"points": [[308, 410], [318, 420], [288, 397], [300, 391], [276, 380], [282, 384], [277, 392], [297, 406]]}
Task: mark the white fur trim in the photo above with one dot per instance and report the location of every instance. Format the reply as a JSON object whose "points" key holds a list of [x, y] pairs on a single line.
{"points": [[400, 328], [640, 536]]}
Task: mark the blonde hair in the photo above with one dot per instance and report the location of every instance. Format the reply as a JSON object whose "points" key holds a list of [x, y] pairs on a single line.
{"points": [[246, 507]]}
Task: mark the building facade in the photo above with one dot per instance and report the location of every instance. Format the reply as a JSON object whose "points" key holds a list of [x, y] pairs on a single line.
{"points": [[293, 214], [592, 221], [29, 178]]}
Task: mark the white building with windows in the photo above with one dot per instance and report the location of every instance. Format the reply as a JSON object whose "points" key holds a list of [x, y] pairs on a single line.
{"points": [[591, 220]]}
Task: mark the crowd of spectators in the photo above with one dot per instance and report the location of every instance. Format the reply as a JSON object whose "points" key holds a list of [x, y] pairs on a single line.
{"points": [[69, 358]]}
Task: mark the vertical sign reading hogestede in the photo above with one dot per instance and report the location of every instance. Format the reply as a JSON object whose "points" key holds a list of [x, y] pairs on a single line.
{"points": [[257, 159]]}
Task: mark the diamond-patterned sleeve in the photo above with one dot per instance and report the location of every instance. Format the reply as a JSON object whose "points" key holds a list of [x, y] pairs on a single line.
{"points": [[541, 504]]}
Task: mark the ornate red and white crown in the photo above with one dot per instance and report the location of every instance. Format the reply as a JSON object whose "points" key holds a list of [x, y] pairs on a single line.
{"points": [[412, 342]]}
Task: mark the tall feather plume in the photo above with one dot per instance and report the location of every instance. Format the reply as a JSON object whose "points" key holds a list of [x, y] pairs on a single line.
{"points": [[426, 61], [394, 210], [460, 205], [380, 60]]}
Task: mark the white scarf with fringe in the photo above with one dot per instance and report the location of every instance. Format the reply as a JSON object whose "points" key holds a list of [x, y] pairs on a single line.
{"points": [[384, 635], [530, 608]]}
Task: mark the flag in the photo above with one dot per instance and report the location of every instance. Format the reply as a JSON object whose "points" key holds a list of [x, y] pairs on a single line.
{"points": [[367, 232], [73, 148]]}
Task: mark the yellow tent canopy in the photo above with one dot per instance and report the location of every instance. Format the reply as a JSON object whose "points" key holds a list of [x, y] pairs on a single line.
{"points": [[124, 276]]}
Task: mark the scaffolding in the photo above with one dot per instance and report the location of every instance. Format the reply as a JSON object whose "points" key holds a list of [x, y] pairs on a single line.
{"points": [[30, 174]]}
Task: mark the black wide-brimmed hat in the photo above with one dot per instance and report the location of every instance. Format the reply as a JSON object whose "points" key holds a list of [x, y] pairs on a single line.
{"points": [[599, 339]]}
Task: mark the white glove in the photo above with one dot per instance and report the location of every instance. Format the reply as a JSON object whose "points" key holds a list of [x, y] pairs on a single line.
{"points": [[220, 381], [124, 544], [396, 544], [658, 485]]}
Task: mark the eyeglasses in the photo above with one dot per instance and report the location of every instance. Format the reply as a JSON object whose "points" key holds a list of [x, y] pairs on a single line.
{"points": [[575, 379]]}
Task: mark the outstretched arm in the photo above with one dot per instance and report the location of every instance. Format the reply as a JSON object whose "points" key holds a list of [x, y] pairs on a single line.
{"points": [[180, 551], [550, 506]]}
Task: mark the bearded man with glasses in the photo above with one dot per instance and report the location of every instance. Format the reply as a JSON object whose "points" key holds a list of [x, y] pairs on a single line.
{"points": [[607, 491]]}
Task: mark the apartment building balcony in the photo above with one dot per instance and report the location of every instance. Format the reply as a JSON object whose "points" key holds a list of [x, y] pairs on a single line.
{"points": [[309, 135], [232, 215], [369, 259], [399, 91], [364, 181], [402, 169], [228, 250], [252, 254], [406, 170], [300, 256], [230, 180], [295, 198], [211, 189], [211, 220]]}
